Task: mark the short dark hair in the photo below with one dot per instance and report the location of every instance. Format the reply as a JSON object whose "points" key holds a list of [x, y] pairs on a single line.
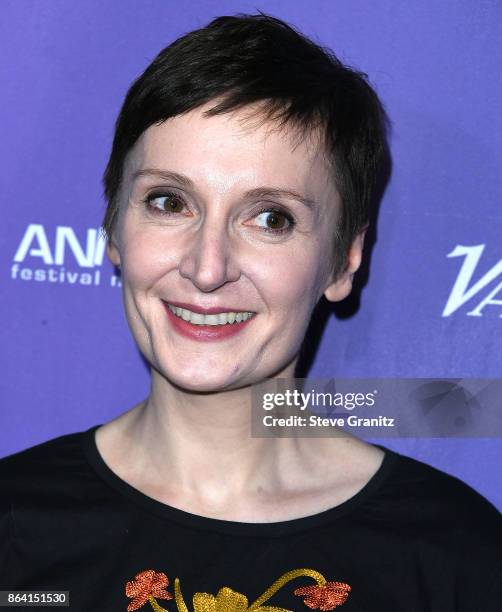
{"points": [[244, 59]]}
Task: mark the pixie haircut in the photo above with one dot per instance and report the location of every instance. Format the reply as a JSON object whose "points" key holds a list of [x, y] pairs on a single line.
{"points": [[259, 59]]}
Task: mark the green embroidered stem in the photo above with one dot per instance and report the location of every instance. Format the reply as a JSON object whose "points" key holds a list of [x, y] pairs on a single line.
{"points": [[180, 602], [155, 605], [285, 578]]}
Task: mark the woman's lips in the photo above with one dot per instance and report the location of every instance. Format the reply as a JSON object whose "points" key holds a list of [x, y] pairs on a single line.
{"points": [[204, 332]]}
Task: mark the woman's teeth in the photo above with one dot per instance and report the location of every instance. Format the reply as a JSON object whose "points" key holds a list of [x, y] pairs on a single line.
{"points": [[221, 318]]}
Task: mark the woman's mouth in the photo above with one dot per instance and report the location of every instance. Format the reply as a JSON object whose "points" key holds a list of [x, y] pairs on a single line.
{"points": [[221, 318], [214, 326]]}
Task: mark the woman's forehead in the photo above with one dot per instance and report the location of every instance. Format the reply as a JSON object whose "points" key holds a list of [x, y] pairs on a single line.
{"points": [[233, 147]]}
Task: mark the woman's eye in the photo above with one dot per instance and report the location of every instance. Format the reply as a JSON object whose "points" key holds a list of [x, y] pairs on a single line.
{"points": [[271, 220], [275, 221], [165, 203]]}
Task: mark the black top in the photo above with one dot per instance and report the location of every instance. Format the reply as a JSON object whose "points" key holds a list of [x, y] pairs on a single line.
{"points": [[413, 539]]}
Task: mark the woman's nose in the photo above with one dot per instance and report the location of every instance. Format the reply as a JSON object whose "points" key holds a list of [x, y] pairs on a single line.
{"points": [[208, 259]]}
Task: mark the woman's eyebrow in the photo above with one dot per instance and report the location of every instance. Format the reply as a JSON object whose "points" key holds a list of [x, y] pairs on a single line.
{"points": [[166, 175], [274, 192], [257, 192]]}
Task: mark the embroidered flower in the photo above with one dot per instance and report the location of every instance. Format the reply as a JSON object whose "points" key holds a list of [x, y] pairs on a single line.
{"points": [[227, 600], [326, 597], [145, 586]]}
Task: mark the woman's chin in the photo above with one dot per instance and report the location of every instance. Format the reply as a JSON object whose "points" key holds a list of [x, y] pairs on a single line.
{"points": [[205, 382]]}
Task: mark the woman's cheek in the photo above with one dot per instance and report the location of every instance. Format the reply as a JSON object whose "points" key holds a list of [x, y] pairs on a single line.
{"points": [[144, 262], [291, 286]]}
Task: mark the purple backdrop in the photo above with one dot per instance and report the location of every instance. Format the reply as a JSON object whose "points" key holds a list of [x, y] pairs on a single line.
{"points": [[432, 306]]}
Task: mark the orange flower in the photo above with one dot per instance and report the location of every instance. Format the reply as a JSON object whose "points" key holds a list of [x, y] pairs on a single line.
{"points": [[145, 585], [327, 597]]}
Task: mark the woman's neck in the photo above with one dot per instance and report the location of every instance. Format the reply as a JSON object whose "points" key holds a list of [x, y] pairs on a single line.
{"points": [[196, 452]]}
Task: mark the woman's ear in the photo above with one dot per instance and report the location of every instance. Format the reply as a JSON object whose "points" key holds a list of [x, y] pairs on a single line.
{"points": [[340, 288], [113, 252]]}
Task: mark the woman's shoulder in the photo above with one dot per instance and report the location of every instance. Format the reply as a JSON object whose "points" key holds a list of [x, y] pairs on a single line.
{"points": [[444, 518], [417, 480], [412, 488], [424, 501], [44, 464]]}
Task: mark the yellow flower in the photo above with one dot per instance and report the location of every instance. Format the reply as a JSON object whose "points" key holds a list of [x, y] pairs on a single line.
{"points": [[227, 600]]}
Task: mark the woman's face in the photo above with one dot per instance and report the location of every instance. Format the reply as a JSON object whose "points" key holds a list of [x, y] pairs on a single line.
{"points": [[191, 229]]}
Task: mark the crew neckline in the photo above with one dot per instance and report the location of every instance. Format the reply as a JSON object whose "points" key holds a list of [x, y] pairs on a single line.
{"points": [[236, 528]]}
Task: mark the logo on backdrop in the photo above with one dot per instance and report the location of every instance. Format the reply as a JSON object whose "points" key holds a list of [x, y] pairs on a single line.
{"points": [[481, 293], [61, 257]]}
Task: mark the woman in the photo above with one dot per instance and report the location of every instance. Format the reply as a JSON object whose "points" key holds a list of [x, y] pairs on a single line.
{"points": [[239, 189]]}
